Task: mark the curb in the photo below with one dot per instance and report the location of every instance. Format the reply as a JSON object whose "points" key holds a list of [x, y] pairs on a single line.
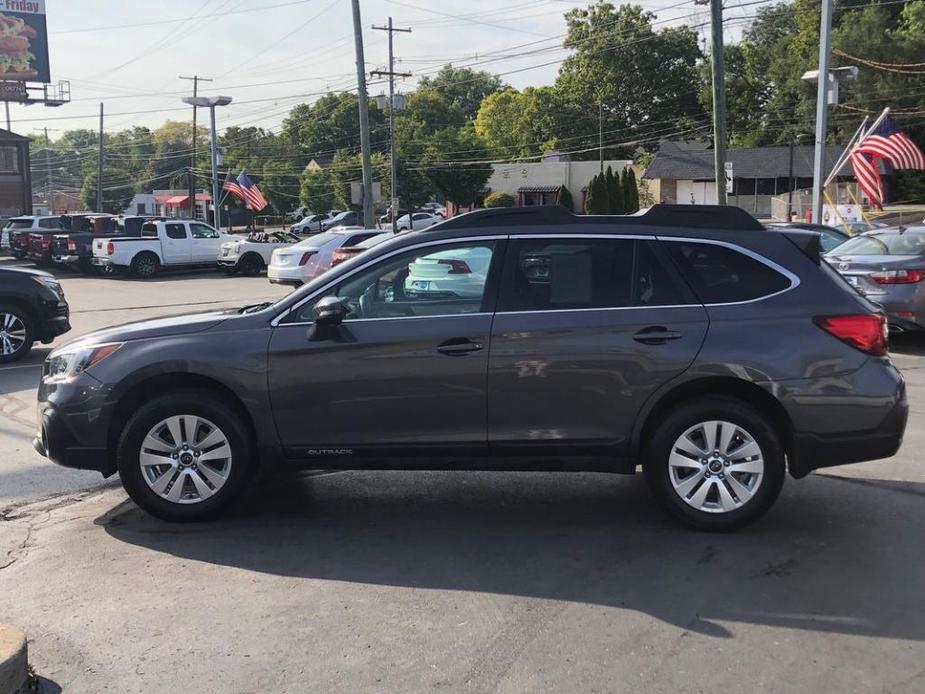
{"points": [[14, 671]]}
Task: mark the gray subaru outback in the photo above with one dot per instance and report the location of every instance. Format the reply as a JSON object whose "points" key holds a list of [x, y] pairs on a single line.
{"points": [[690, 341]]}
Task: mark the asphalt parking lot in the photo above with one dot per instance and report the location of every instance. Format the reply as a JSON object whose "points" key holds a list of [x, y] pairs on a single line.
{"points": [[488, 582]]}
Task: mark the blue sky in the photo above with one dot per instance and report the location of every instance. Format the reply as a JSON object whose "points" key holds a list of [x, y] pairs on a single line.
{"points": [[273, 54]]}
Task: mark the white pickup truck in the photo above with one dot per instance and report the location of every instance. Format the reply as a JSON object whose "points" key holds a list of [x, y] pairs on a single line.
{"points": [[162, 244]]}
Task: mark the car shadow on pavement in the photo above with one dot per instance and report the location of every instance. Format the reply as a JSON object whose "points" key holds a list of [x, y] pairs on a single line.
{"points": [[835, 555]]}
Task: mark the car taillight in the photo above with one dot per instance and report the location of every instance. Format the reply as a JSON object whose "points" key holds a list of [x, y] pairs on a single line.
{"points": [[898, 276], [867, 332], [111, 248], [71, 245], [305, 256], [339, 257], [457, 267]]}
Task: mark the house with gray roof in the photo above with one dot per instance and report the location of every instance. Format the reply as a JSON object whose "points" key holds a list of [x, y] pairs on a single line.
{"points": [[682, 172]]}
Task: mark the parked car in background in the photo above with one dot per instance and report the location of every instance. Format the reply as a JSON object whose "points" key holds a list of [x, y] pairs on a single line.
{"points": [[829, 237], [385, 221], [342, 219], [251, 255], [308, 259], [694, 343], [32, 309], [299, 213], [418, 221], [311, 224], [17, 231], [74, 249], [449, 274], [854, 228], [345, 253], [41, 244], [434, 208], [172, 243], [888, 266]]}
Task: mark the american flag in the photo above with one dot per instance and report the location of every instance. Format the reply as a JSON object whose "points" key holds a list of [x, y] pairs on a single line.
{"points": [[253, 198], [231, 185], [886, 142]]}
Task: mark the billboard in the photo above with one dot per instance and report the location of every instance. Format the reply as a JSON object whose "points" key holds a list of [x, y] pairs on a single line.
{"points": [[23, 41]]}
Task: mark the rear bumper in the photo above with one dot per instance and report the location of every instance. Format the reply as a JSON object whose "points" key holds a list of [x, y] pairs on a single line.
{"points": [[865, 421], [100, 262], [66, 259]]}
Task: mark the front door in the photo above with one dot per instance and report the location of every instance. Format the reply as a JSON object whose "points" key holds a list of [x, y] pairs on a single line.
{"points": [[176, 243], [586, 329], [406, 369], [206, 243]]}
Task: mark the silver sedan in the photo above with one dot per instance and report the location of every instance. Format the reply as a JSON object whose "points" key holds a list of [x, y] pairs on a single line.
{"points": [[888, 266]]}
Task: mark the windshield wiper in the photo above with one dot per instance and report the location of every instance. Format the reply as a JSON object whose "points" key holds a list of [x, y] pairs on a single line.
{"points": [[255, 307]]}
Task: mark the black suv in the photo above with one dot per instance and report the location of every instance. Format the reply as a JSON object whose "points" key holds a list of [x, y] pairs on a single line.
{"points": [[689, 340], [32, 309]]}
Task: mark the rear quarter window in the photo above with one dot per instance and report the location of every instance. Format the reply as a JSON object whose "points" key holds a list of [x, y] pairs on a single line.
{"points": [[722, 275]]}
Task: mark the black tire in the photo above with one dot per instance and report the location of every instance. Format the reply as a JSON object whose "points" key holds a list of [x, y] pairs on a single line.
{"points": [[202, 404], [714, 408], [144, 265], [250, 265], [18, 314]]}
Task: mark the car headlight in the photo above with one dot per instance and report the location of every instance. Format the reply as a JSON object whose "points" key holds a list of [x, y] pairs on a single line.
{"points": [[66, 363], [49, 283]]}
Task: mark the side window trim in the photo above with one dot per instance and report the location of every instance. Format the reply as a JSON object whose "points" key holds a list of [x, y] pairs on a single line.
{"points": [[793, 279], [277, 320]]}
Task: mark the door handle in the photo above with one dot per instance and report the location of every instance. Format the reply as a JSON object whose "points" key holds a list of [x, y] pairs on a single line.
{"points": [[459, 346], [656, 335]]}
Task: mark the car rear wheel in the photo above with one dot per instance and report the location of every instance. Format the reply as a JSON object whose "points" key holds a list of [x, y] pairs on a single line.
{"points": [[144, 265], [715, 463], [16, 333], [185, 456]]}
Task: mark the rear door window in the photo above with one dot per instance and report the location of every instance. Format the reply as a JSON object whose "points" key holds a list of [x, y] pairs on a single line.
{"points": [[574, 274], [52, 223], [722, 275], [149, 230]]}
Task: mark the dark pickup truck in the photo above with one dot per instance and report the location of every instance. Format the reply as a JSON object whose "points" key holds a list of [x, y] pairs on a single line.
{"points": [[74, 248], [41, 240]]}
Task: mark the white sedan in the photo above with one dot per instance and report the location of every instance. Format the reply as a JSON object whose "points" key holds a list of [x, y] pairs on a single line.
{"points": [[417, 221], [307, 259], [456, 273]]}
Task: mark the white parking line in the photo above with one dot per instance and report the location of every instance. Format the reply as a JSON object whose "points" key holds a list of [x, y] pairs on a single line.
{"points": [[21, 366]]}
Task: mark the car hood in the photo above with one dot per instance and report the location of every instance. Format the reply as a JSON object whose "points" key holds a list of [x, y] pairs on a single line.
{"points": [[159, 327], [845, 263], [26, 271]]}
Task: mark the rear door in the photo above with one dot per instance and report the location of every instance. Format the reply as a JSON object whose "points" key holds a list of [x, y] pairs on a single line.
{"points": [[175, 243], [586, 329]]}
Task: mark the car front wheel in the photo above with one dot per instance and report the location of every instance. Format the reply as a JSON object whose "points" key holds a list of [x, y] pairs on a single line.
{"points": [[715, 463], [185, 456]]}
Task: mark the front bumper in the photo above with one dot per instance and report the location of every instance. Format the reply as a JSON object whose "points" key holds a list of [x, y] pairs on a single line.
{"points": [[227, 261], [72, 428]]}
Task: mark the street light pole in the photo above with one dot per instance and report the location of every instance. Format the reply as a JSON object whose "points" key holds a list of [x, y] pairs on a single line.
{"points": [[822, 108], [211, 102]]}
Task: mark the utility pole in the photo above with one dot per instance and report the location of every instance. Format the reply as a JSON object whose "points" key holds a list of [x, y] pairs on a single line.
{"points": [[99, 167], [48, 186], [191, 178], [364, 117], [600, 131], [822, 108], [393, 204], [719, 98], [7, 105]]}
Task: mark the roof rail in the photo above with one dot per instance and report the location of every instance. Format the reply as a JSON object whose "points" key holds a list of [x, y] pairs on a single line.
{"points": [[691, 216]]}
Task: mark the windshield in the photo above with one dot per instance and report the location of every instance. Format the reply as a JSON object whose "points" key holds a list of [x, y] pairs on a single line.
{"points": [[894, 242]]}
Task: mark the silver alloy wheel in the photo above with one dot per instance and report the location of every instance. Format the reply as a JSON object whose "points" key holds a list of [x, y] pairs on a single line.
{"points": [[12, 334], [185, 459], [716, 466]]}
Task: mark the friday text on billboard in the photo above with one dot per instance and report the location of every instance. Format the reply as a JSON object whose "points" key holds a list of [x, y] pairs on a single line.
{"points": [[25, 6]]}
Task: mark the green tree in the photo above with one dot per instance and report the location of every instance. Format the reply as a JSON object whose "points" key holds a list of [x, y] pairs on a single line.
{"points": [[638, 75], [631, 188], [597, 197], [499, 199], [280, 185], [317, 190], [564, 199], [517, 124], [330, 124], [463, 87], [462, 183], [614, 192], [118, 190]]}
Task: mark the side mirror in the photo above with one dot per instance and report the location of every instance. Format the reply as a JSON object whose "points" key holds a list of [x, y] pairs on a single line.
{"points": [[329, 311]]}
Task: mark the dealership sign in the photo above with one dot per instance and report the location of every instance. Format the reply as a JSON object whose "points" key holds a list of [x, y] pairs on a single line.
{"points": [[23, 41]]}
